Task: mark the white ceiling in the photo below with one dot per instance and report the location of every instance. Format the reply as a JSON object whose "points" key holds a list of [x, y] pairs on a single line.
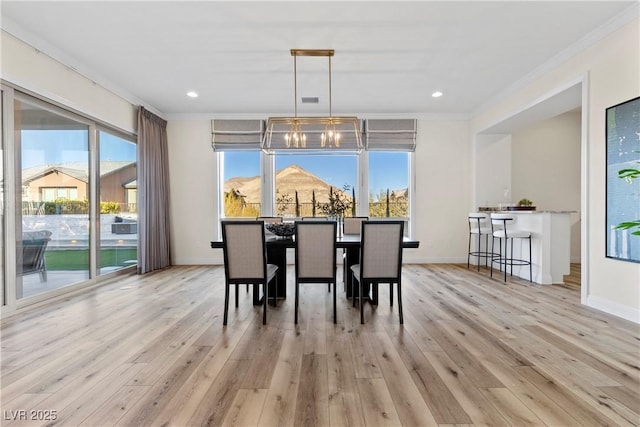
{"points": [[389, 56]]}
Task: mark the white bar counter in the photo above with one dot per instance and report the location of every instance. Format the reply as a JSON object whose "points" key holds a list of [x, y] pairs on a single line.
{"points": [[550, 245]]}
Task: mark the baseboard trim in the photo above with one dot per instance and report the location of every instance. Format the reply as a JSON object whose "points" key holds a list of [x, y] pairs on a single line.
{"points": [[614, 308]]}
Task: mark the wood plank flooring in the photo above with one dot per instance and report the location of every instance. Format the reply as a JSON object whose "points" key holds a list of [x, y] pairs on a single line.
{"points": [[151, 350]]}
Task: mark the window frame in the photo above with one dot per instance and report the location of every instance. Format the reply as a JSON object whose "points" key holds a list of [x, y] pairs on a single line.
{"points": [[268, 195], [10, 93]]}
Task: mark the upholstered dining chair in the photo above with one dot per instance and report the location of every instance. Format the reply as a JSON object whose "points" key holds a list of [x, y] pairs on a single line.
{"points": [[270, 219], [380, 260], [315, 256], [351, 225], [245, 261]]}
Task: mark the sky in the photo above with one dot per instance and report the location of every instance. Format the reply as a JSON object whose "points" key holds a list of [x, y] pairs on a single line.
{"points": [[389, 170], [64, 146]]}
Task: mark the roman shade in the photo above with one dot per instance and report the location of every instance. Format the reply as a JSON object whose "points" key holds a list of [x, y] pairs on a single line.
{"points": [[232, 135], [390, 134]]}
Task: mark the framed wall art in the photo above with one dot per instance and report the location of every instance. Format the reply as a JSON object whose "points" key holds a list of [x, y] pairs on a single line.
{"points": [[623, 181]]}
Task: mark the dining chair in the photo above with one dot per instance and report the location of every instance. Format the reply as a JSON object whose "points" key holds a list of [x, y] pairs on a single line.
{"points": [[270, 219], [380, 260], [245, 261], [351, 226], [503, 230], [479, 227], [315, 256]]}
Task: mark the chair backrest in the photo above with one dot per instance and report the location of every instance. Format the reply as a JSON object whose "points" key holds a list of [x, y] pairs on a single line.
{"points": [[477, 220], [270, 219], [353, 224], [500, 221], [243, 245], [381, 249], [30, 252], [314, 218], [315, 249]]}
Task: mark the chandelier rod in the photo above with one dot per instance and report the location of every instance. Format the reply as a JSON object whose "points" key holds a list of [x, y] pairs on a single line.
{"points": [[330, 115], [295, 86]]}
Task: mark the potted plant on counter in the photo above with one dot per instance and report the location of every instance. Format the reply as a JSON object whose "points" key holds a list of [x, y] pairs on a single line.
{"points": [[523, 205]]}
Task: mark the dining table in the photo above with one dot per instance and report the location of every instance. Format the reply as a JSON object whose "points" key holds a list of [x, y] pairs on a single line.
{"points": [[276, 248]]}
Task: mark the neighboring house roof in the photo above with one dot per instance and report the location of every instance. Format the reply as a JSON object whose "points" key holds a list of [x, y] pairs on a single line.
{"points": [[77, 170]]}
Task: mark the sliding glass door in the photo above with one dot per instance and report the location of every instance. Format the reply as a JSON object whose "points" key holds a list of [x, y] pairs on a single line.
{"points": [[118, 203], [52, 183]]}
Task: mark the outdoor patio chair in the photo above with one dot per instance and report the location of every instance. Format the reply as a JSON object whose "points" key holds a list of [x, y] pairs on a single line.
{"points": [[30, 253]]}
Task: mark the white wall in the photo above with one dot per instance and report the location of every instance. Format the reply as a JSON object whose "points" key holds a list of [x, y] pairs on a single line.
{"points": [[442, 192], [193, 184], [609, 71], [492, 177], [545, 160]]}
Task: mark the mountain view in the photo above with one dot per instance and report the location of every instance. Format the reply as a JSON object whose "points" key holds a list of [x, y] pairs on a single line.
{"points": [[242, 195], [288, 180]]}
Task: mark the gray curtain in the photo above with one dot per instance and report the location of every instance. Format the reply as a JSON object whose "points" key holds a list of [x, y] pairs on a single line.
{"points": [[154, 242]]}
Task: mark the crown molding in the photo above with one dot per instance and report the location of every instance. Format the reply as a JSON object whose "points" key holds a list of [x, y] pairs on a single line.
{"points": [[620, 20], [43, 47]]}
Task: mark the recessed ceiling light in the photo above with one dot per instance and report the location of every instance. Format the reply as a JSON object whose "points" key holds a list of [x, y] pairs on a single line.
{"points": [[192, 94], [436, 94]]}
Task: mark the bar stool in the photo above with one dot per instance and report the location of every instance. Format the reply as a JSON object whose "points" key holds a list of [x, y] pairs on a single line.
{"points": [[508, 235], [478, 226]]}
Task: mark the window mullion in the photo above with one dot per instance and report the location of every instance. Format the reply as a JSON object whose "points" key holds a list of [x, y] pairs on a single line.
{"points": [[268, 194]]}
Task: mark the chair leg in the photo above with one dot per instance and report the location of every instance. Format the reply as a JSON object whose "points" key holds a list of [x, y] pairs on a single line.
{"points": [[361, 304], [296, 302], [237, 286], [493, 245], [486, 247], [335, 288], [266, 302], [479, 242], [275, 297], [506, 252], [400, 303], [469, 253], [530, 262], [391, 294], [226, 303], [353, 289]]}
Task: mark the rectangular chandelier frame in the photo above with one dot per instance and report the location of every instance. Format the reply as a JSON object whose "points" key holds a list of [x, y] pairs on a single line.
{"points": [[291, 134]]}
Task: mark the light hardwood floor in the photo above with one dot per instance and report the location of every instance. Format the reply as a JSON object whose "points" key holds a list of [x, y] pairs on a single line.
{"points": [[151, 350]]}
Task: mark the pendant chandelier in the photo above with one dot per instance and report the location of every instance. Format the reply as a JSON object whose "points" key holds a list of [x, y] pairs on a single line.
{"points": [[292, 134]]}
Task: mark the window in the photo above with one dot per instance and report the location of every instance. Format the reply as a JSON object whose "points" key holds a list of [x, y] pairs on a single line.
{"points": [[374, 183], [118, 203], [389, 184], [241, 184], [51, 194], [52, 221], [56, 242], [305, 182]]}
